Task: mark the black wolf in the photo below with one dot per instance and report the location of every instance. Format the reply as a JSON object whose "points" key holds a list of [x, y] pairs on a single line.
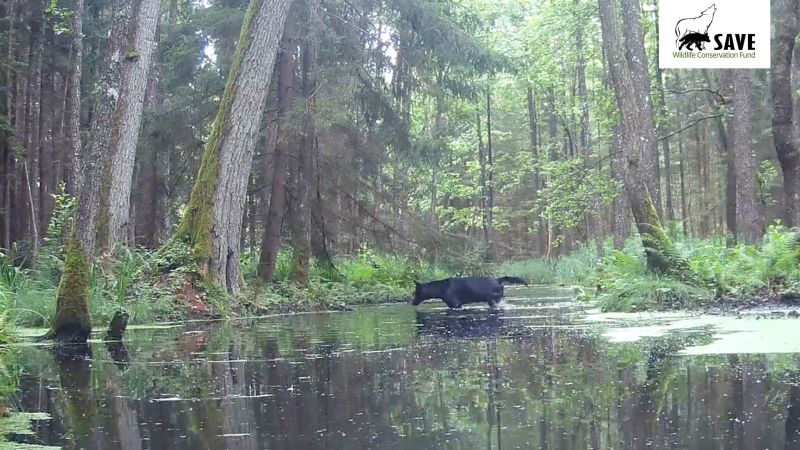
{"points": [[456, 292], [695, 39]]}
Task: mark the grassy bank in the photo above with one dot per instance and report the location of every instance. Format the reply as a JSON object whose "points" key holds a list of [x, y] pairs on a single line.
{"points": [[741, 274], [27, 296]]}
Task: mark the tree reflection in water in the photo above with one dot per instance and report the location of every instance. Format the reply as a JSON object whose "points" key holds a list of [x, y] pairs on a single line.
{"points": [[399, 378]]}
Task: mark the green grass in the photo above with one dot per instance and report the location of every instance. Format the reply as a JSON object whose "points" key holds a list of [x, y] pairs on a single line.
{"points": [[576, 268]]}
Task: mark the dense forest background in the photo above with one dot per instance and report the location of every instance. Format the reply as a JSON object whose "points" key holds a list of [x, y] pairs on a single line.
{"points": [[453, 132]]}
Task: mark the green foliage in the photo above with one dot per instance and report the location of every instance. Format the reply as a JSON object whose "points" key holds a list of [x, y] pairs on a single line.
{"points": [[574, 191], [576, 268], [742, 271]]}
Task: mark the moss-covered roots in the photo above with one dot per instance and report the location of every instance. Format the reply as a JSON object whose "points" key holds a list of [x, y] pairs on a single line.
{"points": [[659, 249], [73, 323]]}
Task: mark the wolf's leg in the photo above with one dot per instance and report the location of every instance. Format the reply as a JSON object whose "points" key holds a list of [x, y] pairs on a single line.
{"points": [[452, 303]]}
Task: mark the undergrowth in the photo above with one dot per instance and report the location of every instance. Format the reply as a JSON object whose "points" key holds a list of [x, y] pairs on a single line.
{"points": [[742, 272]]}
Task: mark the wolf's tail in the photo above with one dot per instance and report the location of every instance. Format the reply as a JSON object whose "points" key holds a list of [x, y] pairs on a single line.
{"points": [[511, 280]]}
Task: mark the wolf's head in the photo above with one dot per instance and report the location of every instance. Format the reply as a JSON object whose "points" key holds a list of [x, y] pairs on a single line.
{"points": [[710, 10]]}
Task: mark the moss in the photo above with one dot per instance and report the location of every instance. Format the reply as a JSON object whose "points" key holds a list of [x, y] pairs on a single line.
{"points": [[195, 228], [73, 322], [659, 249]]}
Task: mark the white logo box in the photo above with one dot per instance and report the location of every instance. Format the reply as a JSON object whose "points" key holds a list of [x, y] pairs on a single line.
{"points": [[685, 25]]}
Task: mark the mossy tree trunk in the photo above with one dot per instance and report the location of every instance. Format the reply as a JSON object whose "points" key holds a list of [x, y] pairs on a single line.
{"points": [[632, 109], [115, 226], [72, 322], [213, 220]]}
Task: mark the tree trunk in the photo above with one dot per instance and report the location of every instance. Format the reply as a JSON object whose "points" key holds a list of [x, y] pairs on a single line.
{"points": [[34, 120], [540, 238], [634, 124], [640, 77], [115, 226], [620, 227], [271, 239], [593, 228], [73, 103], [320, 231], [301, 177], [72, 322], [749, 219], [484, 188], [662, 127], [787, 27], [684, 207], [489, 178], [212, 222]]}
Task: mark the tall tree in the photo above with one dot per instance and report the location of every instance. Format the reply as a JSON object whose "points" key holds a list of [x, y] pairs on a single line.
{"points": [[72, 322], [115, 226], [634, 124], [279, 143], [633, 35], [669, 212], [749, 217], [73, 102], [300, 216], [212, 222], [787, 28]]}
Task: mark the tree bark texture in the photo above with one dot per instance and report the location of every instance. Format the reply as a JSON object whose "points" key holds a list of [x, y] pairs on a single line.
{"points": [[274, 214], [212, 223], [301, 179], [787, 26], [640, 77], [633, 110], [116, 226], [749, 220], [73, 102], [100, 142]]}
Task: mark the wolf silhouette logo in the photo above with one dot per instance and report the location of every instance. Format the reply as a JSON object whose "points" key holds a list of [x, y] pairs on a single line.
{"points": [[694, 30]]}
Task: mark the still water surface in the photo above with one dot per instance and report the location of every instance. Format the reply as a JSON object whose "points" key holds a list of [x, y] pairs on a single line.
{"points": [[536, 375]]}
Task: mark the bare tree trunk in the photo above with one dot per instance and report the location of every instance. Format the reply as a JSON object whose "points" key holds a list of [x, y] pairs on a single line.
{"points": [[99, 146], [301, 177], [787, 27], [212, 223], [484, 188], [320, 231], [662, 127], [271, 239], [490, 178], [684, 208], [620, 227], [637, 61], [115, 225], [34, 120], [749, 219], [73, 103], [593, 228], [540, 238]]}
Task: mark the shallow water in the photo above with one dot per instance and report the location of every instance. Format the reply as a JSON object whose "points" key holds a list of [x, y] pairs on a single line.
{"points": [[541, 373]]}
